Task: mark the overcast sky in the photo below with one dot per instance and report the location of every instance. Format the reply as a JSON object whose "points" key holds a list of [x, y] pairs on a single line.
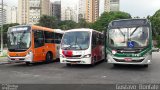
{"points": [[141, 8]]}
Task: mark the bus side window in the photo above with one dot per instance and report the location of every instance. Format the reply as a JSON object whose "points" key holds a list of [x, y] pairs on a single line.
{"points": [[38, 39], [48, 37], [94, 40], [58, 38], [99, 39]]}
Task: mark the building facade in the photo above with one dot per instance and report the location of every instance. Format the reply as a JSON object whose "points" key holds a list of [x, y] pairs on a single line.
{"points": [[107, 5], [23, 9], [114, 5], [111, 5], [12, 14], [92, 10], [69, 12], [56, 9], [82, 9], [30, 11], [4, 19]]}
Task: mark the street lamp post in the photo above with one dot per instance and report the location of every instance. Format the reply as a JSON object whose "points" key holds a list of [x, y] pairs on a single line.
{"points": [[2, 32]]}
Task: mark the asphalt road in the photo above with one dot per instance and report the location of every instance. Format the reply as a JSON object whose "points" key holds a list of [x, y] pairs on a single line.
{"points": [[102, 73]]}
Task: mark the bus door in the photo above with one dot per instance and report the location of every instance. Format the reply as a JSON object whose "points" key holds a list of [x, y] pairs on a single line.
{"points": [[39, 49], [58, 44], [99, 46], [96, 52]]}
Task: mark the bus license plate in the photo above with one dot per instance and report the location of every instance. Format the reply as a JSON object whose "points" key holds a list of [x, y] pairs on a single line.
{"points": [[128, 59], [17, 59], [73, 62]]}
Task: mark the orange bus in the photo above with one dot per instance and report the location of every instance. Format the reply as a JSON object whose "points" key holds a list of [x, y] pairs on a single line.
{"points": [[30, 44]]}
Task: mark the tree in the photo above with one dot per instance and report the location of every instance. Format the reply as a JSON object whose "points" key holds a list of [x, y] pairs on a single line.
{"points": [[82, 24], [155, 21], [48, 21], [5, 29], [107, 17], [6, 26], [67, 24]]}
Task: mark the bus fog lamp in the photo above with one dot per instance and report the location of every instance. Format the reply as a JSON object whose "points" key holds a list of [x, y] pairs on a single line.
{"points": [[114, 51], [61, 56], [29, 56], [87, 56], [149, 61], [82, 62]]}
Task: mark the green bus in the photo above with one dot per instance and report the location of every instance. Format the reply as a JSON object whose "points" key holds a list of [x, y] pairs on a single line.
{"points": [[129, 41]]}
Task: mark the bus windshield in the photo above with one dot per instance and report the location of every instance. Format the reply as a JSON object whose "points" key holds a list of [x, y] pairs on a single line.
{"points": [[78, 40], [119, 37], [18, 40]]}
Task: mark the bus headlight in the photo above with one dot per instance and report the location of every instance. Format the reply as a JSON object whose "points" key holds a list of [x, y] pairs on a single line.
{"points": [[114, 51], [61, 56], [29, 56], [87, 56]]}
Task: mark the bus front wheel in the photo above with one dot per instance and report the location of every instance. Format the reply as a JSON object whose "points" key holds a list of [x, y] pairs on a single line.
{"points": [[145, 65], [93, 61], [49, 57], [68, 64], [116, 65], [28, 63]]}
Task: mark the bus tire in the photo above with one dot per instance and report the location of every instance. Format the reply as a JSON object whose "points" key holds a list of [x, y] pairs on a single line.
{"points": [[115, 65], [146, 66], [68, 64], [28, 63], [105, 58], [49, 57], [94, 61]]}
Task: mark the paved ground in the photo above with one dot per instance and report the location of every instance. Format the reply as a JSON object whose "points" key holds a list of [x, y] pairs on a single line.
{"points": [[3, 60], [102, 73]]}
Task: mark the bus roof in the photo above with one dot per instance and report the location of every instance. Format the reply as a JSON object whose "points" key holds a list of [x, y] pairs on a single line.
{"points": [[59, 31], [82, 29], [35, 27], [128, 23]]}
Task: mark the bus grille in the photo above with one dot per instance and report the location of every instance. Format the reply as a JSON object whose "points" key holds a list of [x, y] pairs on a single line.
{"points": [[74, 56], [21, 59], [122, 60]]}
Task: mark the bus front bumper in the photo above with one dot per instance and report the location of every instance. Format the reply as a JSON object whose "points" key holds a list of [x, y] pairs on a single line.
{"points": [[135, 61], [20, 59], [76, 60]]}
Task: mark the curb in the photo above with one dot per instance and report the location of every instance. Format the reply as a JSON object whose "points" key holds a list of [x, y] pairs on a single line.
{"points": [[2, 63]]}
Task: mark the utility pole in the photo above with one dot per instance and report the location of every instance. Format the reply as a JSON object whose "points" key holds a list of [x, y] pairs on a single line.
{"points": [[2, 32]]}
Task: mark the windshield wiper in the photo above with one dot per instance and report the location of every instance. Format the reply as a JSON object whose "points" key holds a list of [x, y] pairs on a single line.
{"points": [[76, 43], [122, 33], [134, 31]]}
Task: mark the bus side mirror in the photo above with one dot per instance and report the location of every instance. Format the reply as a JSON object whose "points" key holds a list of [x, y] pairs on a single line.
{"points": [[155, 49]]}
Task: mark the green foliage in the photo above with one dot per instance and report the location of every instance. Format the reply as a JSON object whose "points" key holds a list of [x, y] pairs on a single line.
{"points": [[67, 24], [82, 24], [48, 21], [6, 26], [158, 41], [100, 24], [155, 21], [5, 29], [107, 17]]}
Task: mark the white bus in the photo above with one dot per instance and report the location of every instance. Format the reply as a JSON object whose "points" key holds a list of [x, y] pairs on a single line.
{"points": [[81, 46]]}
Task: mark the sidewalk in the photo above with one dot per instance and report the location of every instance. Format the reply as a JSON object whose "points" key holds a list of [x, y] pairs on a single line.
{"points": [[3, 60]]}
